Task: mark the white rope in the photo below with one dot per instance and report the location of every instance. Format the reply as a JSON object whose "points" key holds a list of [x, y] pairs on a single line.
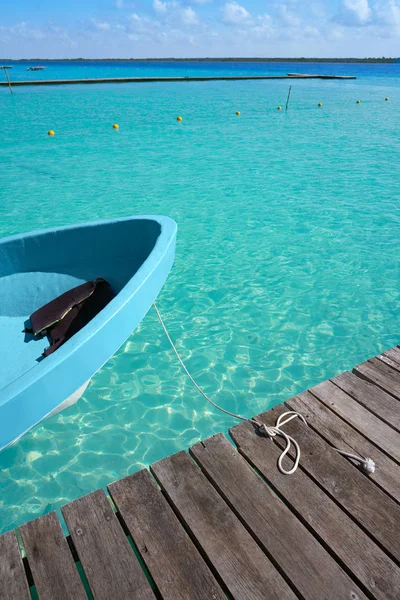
{"points": [[366, 464], [276, 430], [198, 388]]}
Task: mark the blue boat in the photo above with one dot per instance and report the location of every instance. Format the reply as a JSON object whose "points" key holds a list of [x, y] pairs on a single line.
{"points": [[134, 255]]}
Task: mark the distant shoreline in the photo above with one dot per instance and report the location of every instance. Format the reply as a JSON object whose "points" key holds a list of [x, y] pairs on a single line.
{"points": [[208, 60]]}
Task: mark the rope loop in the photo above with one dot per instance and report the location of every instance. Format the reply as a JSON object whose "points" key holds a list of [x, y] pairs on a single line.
{"points": [[272, 431]]}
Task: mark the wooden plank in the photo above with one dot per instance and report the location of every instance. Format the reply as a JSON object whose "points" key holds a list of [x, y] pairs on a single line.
{"points": [[394, 353], [391, 357], [371, 397], [360, 418], [338, 433], [381, 375], [352, 546], [112, 570], [313, 573], [366, 503], [240, 563], [13, 582], [50, 560], [173, 561]]}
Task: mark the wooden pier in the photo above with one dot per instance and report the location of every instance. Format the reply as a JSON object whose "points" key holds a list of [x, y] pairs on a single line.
{"points": [[222, 521], [169, 79]]}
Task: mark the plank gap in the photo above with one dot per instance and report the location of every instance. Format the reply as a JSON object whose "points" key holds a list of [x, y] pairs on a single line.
{"points": [[375, 379], [149, 578], [341, 435], [345, 510], [72, 548], [370, 396], [312, 531], [361, 433], [28, 572], [194, 539], [134, 548], [249, 529]]}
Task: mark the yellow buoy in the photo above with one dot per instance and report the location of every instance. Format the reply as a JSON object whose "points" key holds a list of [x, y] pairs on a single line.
{"points": [[358, 101], [50, 132], [279, 107], [238, 112], [387, 99], [319, 103], [179, 118], [115, 126]]}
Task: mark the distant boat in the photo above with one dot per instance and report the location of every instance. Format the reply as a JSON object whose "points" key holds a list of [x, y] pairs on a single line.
{"points": [[134, 255], [35, 68]]}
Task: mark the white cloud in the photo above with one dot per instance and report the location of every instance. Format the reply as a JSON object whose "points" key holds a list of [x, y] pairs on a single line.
{"points": [[354, 12], [387, 18], [233, 13], [175, 27], [24, 30], [101, 26], [287, 17], [160, 7], [388, 12], [125, 4], [189, 16]]}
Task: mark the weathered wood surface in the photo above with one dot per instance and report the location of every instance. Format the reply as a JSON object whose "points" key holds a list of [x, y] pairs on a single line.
{"points": [[110, 565], [373, 510], [351, 545], [380, 374], [173, 561], [314, 574], [13, 582], [217, 527], [366, 503], [50, 560], [240, 563], [359, 417], [341, 435], [391, 357], [371, 397]]}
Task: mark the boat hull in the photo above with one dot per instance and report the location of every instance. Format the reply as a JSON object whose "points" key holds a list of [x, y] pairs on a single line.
{"points": [[73, 399], [42, 390]]}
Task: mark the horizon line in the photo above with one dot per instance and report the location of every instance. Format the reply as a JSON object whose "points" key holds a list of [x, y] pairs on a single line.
{"points": [[215, 59]]}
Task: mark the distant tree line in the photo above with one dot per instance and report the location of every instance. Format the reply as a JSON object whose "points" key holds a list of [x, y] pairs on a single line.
{"points": [[302, 59]]}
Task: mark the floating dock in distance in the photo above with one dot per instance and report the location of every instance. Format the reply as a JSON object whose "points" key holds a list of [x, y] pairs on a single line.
{"points": [[213, 526], [170, 79], [308, 76]]}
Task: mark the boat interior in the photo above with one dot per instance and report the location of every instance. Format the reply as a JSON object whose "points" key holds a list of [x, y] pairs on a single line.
{"points": [[38, 267]]}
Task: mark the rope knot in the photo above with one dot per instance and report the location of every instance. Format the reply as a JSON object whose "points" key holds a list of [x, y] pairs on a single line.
{"points": [[271, 431], [368, 465], [264, 429]]}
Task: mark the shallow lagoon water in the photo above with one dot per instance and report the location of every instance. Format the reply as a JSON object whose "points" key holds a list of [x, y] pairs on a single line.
{"points": [[287, 262]]}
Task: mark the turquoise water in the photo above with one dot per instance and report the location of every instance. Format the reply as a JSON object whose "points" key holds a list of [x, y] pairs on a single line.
{"points": [[287, 262]]}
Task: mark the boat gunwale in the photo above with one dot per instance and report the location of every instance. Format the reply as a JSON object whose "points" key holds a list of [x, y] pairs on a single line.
{"points": [[161, 247]]}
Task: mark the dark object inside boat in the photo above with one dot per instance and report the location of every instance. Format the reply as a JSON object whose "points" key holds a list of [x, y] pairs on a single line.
{"points": [[64, 316]]}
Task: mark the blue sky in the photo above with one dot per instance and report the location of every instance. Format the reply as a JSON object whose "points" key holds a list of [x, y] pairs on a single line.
{"points": [[195, 28]]}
